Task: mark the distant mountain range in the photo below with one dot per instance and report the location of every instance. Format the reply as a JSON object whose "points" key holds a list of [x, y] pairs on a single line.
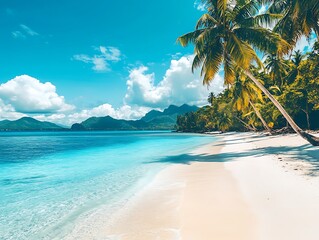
{"points": [[28, 124], [153, 120]]}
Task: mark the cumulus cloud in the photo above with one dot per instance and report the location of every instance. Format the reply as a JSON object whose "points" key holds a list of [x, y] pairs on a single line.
{"points": [[124, 112], [56, 117], [25, 95], [178, 86], [8, 112], [101, 61], [28, 95]]}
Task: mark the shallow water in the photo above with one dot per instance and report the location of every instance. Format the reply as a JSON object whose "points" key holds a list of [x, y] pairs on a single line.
{"points": [[49, 180]]}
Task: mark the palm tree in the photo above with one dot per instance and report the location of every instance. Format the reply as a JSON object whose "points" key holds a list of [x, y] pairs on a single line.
{"points": [[244, 94], [226, 36], [225, 116], [211, 98], [300, 17], [294, 66], [277, 68]]}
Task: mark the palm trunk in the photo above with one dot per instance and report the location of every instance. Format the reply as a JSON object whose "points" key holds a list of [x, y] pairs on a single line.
{"points": [[253, 126], [310, 138], [260, 117], [307, 117], [245, 124]]}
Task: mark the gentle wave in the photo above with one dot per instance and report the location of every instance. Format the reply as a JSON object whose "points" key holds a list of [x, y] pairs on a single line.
{"points": [[49, 181]]}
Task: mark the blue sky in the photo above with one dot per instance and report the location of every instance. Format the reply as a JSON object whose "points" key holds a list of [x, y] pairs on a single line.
{"points": [[87, 49], [144, 32], [65, 61]]}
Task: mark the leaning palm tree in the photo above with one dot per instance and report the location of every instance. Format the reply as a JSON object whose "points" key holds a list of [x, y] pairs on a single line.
{"points": [[244, 95], [227, 35]]}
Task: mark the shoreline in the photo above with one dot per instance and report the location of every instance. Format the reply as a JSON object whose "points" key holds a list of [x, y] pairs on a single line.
{"points": [[163, 209], [243, 186]]}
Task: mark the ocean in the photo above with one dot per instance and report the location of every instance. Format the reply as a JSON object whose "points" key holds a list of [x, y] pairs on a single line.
{"points": [[50, 180]]}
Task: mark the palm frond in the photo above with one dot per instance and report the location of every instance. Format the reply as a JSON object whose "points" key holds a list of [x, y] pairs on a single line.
{"points": [[241, 53], [264, 40], [205, 21], [189, 38], [266, 19], [221, 6], [212, 62], [197, 61], [229, 70], [278, 6], [207, 36], [247, 10]]}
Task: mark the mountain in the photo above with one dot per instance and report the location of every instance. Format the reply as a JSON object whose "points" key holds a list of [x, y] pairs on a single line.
{"points": [[106, 123], [28, 124], [153, 120], [172, 112], [151, 115]]}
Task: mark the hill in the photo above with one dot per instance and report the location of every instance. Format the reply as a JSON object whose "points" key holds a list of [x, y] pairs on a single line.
{"points": [[28, 124], [153, 120]]}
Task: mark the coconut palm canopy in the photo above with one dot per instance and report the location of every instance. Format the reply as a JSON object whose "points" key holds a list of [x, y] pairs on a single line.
{"points": [[228, 35], [300, 17]]}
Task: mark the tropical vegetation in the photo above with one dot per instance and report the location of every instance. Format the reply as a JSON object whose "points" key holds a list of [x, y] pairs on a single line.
{"points": [[233, 36]]}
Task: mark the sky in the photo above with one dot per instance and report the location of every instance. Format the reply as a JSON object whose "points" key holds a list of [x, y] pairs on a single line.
{"points": [[65, 61]]}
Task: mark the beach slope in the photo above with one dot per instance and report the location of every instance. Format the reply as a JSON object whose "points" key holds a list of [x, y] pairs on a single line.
{"points": [[243, 186]]}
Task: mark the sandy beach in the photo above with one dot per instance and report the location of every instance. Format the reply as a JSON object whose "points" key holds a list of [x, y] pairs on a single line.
{"points": [[243, 186]]}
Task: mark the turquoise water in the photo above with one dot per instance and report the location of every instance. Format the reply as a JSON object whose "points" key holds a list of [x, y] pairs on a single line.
{"points": [[48, 180]]}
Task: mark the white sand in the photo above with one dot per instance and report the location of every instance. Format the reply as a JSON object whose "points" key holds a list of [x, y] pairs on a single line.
{"points": [[188, 201], [277, 183], [245, 186]]}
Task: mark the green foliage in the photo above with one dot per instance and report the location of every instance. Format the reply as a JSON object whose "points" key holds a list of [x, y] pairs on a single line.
{"points": [[227, 37], [153, 120], [300, 17], [28, 124], [230, 110]]}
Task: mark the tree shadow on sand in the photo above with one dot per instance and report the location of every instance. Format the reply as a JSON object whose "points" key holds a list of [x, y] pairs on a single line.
{"points": [[305, 153]]}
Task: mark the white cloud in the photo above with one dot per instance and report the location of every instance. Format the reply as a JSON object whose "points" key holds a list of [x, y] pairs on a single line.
{"points": [[110, 53], [18, 34], [101, 61], [56, 117], [25, 95], [178, 86], [124, 112], [28, 30], [8, 112], [24, 32], [28, 95], [176, 55], [304, 44]]}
